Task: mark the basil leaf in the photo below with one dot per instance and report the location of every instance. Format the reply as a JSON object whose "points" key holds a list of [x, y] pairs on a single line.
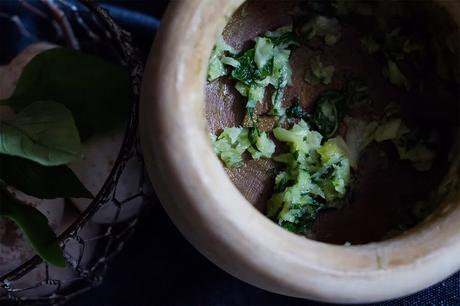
{"points": [[39, 181], [43, 132], [95, 91], [35, 228]]}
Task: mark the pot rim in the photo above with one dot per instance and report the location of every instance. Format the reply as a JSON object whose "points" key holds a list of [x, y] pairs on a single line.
{"points": [[214, 216]]}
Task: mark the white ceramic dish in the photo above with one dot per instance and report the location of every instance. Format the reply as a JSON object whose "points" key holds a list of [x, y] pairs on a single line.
{"points": [[215, 217]]}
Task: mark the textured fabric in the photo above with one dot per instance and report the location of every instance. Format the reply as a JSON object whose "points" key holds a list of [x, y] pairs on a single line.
{"points": [[159, 267], [445, 293]]}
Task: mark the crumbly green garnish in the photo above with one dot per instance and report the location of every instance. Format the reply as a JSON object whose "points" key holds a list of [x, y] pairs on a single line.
{"points": [[218, 59], [314, 176], [330, 107], [232, 143], [318, 73], [326, 28], [413, 144], [255, 69], [316, 172]]}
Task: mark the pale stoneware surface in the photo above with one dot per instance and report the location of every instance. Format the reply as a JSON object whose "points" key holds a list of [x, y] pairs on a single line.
{"points": [[216, 218]]}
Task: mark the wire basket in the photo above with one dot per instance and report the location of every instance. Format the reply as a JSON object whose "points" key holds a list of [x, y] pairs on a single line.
{"points": [[83, 25]]}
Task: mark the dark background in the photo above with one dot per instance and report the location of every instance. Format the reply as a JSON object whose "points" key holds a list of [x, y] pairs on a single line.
{"points": [[159, 267]]}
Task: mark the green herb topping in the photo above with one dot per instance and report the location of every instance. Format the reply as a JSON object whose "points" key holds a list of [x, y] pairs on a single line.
{"points": [[265, 64], [317, 73]]}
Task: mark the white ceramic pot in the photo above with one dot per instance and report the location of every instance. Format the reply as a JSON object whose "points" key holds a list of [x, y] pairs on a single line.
{"points": [[215, 217]]}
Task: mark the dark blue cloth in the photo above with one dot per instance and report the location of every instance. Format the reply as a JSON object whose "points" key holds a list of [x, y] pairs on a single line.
{"points": [[159, 267]]}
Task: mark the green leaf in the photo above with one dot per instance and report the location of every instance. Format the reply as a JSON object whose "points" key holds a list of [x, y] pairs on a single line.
{"points": [[35, 228], [39, 181], [43, 132], [95, 91]]}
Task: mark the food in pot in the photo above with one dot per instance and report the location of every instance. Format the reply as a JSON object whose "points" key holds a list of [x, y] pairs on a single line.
{"points": [[357, 141]]}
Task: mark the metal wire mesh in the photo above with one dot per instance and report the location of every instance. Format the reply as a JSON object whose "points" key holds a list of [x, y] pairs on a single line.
{"points": [[88, 247]]}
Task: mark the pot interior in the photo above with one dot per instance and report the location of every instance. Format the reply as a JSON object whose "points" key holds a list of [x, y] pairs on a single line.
{"points": [[388, 195]]}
